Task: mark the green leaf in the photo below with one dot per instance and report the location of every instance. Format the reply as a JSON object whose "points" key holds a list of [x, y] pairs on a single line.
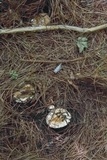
{"points": [[82, 44], [13, 74]]}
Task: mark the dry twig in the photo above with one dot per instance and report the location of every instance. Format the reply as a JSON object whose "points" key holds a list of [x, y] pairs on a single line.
{"points": [[53, 27]]}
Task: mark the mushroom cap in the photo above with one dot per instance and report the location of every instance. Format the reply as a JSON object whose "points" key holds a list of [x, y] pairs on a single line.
{"points": [[42, 19], [58, 118], [51, 107], [24, 94]]}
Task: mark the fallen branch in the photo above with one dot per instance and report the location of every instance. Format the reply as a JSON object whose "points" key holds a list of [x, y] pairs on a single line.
{"points": [[53, 27]]}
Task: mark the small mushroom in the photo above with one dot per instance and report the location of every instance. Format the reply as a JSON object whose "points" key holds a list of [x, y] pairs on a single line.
{"points": [[41, 19], [24, 94], [58, 118]]}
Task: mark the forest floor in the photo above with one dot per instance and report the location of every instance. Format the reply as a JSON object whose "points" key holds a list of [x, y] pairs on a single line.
{"points": [[80, 86]]}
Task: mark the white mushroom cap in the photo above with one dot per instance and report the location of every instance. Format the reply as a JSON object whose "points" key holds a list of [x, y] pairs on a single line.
{"points": [[23, 99], [24, 94], [51, 107], [58, 118]]}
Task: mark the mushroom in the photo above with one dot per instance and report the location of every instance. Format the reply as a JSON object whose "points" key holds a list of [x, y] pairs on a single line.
{"points": [[41, 19], [58, 118], [24, 94]]}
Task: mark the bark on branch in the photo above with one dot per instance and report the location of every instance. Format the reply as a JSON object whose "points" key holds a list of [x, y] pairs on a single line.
{"points": [[53, 27]]}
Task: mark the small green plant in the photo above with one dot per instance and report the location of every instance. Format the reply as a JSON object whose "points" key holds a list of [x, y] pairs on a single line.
{"points": [[13, 74], [82, 44]]}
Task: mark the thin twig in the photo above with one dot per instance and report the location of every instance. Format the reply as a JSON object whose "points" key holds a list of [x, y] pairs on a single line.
{"points": [[53, 27], [57, 61]]}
